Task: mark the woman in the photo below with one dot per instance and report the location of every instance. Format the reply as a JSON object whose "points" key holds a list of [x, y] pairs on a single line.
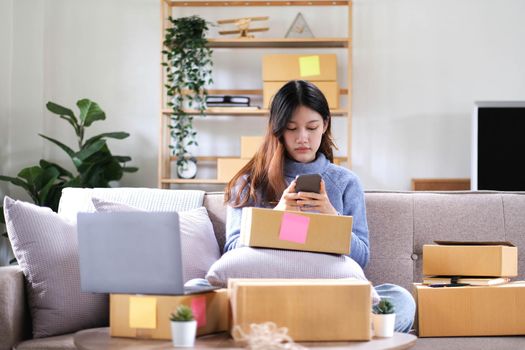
{"points": [[299, 141]]}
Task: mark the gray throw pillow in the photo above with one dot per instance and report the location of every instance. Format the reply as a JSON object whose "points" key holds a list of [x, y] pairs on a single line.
{"points": [[46, 248], [249, 262], [199, 245]]}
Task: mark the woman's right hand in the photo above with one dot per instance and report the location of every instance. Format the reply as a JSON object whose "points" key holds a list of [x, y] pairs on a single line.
{"points": [[289, 199]]}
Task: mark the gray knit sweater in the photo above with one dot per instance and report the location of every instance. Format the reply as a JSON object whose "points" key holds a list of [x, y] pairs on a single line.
{"points": [[344, 191]]}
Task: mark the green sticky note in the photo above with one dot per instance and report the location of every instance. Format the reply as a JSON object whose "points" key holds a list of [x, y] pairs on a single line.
{"points": [[143, 312], [309, 66]]}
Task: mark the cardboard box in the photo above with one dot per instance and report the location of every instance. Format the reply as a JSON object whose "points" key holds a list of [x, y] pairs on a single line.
{"points": [[250, 145], [294, 230], [329, 88], [147, 316], [471, 311], [227, 168], [447, 258], [327, 309], [311, 67]]}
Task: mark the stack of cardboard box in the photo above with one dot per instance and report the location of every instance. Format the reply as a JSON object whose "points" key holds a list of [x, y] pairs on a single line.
{"points": [[228, 167], [327, 309], [148, 316], [480, 309], [320, 70]]}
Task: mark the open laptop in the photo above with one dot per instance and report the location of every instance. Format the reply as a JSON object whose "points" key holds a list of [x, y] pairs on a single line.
{"points": [[132, 252]]}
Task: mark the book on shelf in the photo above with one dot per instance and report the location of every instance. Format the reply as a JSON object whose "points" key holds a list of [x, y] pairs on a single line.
{"points": [[473, 281], [227, 100], [222, 109]]}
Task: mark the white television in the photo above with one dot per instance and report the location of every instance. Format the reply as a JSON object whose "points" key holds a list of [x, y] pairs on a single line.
{"points": [[498, 146]]}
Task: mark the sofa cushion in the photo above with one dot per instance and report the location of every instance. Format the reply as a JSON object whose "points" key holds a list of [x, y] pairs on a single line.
{"points": [[46, 247], [75, 200], [199, 246], [249, 262], [60, 342]]}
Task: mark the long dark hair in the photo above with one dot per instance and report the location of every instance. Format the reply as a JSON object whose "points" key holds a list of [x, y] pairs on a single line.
{"points": [[262, 179]]}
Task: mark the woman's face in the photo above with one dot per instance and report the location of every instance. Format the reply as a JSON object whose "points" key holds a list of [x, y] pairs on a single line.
{"points": [[303, 134]]}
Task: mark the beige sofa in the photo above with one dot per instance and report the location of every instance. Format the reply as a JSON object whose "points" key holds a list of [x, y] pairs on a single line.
{"points": [[399, 222]]}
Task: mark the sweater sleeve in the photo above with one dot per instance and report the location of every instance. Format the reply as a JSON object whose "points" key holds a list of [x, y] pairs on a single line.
{"points": [[233, 227], [354, 205]]}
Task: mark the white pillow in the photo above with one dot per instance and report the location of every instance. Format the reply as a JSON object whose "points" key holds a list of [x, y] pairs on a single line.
{"points": [[199, 245], [46, 247], [249, 262]]}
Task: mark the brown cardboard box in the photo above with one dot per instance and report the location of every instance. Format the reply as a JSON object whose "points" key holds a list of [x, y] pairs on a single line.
{"points": [[214, 303], [327, 309], [329, 88], [284, 67], [268, 228], [471, 311], [498, 259], [250, 145], [228, 167]]}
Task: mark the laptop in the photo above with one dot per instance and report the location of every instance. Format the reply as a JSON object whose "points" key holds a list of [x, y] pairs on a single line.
{"points": [[132, 253]]}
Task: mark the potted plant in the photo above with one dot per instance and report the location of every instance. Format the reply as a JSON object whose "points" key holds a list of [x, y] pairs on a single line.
{"points": [[384, 318], [183, 327], [188, 70]]}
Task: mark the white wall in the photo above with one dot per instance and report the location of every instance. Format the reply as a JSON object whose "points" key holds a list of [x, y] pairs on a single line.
{"points": [[418, 65], [5, 83]]}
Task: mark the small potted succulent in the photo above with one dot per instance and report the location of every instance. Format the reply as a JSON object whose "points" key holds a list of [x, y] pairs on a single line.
{"points": [[183, 327], [384, 318]]}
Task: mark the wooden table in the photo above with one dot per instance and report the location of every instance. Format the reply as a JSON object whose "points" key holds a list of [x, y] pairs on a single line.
{"points": [[99, 339]]}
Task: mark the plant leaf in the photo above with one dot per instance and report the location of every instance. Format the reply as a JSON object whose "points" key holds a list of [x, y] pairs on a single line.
{"points": [[15, 181], [120, 135], [62, 111], [131, 169], [66, 149], [88, 151], [90, 112], [62, 171]]}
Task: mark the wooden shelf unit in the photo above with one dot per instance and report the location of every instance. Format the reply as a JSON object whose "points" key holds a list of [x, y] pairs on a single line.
{"points": [[165, 178]]}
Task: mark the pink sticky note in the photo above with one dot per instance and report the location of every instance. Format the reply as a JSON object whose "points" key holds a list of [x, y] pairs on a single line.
{"points": [[294, 228], [198, 306]]}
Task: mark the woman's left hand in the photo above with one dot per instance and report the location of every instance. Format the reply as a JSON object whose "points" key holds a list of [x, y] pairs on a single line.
{"points": [[316, 201]]}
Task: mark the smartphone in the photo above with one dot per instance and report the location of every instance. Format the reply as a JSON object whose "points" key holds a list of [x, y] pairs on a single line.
{"points": [[308, 183]]}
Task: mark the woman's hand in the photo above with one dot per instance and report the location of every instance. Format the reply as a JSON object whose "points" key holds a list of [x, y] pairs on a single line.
{"points": [[289, 199], [309, 201]]}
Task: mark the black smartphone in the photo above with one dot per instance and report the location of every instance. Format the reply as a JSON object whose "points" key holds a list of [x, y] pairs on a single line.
{"points": [[308, 183]]}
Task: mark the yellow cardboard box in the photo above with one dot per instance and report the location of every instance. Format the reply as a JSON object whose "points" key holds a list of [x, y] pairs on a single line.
{"points": [[471, 311], [268, 228], [228, 167], [327, 309], [329, 88], [250, 145], [448, 258], [311, 67], [147, 316]]}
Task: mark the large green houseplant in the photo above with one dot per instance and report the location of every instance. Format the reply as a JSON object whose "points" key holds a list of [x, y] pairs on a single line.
{"points": [[94, 163], [188, 70]]}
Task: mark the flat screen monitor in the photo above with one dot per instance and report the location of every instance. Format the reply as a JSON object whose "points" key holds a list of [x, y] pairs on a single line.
{"points": [[498, 146]]}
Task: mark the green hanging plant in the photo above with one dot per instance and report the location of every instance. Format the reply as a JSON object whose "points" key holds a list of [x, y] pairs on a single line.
{"points": [[188, 70]]}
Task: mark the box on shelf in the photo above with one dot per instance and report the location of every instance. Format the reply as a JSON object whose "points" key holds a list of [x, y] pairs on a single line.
{"points": [[228, 167], [147, 316], [250, 145], [329, 88], [268, 228], [449, 258], [311, 67], [327, 310], [471, 311]]}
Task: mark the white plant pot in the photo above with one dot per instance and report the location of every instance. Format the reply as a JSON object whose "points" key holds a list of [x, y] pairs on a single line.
{"points": [[183, 333], [384, 325]]}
